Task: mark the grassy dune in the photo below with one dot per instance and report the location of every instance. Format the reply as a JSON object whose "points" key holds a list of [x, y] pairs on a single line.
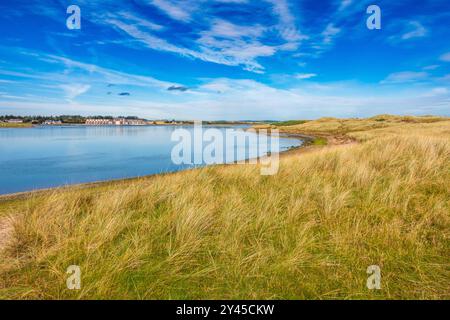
{"points": [[329, 126], [226, 232]]}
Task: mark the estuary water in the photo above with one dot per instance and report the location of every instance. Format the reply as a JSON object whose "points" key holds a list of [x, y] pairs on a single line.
{"points": [[52, 156]]}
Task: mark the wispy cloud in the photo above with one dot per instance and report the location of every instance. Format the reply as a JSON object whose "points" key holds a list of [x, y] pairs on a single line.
{"points": [[74, 90], [436, 92], [108, 75], [431, 67], [445, 57], [231, 44], [224, 49], [75, 78], [132, 18], [416, 30], [305, 75], [223, 42], [405, 77], [177, 10], [329, 33], [287, 23], [344, 4]]}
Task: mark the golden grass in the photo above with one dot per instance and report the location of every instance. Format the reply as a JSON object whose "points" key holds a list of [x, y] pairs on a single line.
{"points": [[344, 126], [226, 232]]}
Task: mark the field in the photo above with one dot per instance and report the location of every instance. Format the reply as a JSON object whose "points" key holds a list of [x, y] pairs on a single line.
{"points": [[374, 192]]}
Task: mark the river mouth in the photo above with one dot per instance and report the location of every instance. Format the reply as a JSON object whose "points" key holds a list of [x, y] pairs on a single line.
{"points": [[46, 157]]}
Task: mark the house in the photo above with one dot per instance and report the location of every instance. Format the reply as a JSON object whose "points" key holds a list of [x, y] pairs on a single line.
{"points": [[14, 121], [52, 122]]}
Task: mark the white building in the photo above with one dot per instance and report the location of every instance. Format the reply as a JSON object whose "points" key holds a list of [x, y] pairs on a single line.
{"points": [[99, 122], [52, 122], [115, 121]]}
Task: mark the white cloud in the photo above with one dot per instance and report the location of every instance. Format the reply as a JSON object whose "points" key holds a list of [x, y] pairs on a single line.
{"points": [[223, 28], [150, 40], [344, 4], [445, 78], [224, 43], [74, 90], [131, 18], [329, 32], [404, 77], [235, 45], [436, 92], [177, 10], [305, 75], [445, 57], [287, 25], [417, 31], [431, 67], [107, 75], [211, 38], [66, 70]]}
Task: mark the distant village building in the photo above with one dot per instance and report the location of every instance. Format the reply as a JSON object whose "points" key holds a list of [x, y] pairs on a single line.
{"points": [[136, 122], [14, 121], [115, 122], [52, 122], [99, 122]]}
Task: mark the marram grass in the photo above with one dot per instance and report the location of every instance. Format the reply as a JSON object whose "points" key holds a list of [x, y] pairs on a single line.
{"points": [[226, 232]]}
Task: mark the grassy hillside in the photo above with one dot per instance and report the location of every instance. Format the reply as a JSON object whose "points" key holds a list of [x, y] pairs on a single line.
{"points": [[226, 232], [327, 126]]}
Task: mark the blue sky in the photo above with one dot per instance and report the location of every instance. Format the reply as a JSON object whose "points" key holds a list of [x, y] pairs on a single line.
{"points": [[225, 59]]}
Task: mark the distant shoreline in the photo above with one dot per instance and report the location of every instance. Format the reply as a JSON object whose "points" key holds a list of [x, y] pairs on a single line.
{"points": [[29, 125]]}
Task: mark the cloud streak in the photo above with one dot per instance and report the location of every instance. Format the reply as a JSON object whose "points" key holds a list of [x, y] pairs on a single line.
{"points": [[74, 90]]}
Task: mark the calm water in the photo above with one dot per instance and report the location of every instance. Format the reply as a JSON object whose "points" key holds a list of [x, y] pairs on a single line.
{"points": [[44, 157]]}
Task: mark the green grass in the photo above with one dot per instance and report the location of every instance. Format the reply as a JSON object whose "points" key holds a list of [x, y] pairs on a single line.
{"points": [[226, 232], [320, 142]]}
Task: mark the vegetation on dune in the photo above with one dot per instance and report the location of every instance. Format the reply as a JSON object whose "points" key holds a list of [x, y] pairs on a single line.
{"points": [[343, 126], [227, 232], [319, 142]]}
